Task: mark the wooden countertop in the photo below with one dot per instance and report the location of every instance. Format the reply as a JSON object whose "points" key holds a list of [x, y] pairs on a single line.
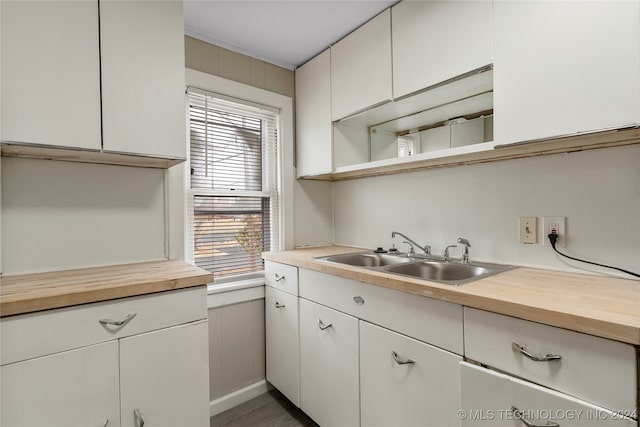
{"points": [[598, 305], [42, 291]]}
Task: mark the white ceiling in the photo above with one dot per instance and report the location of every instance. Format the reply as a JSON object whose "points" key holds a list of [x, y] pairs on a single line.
{"points": [[284, 33]]}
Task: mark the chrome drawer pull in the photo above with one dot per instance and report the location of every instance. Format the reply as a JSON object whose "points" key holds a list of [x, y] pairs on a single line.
{"points": [[322, 326], [104, 424], [137, 418], [358, 299], [545, 358], [520, 416], [278, 277], [118, 322], [278, 305], [401, 361]]}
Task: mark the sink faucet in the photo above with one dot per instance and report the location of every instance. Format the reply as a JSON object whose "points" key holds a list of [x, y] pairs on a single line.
{"points": [[465, 254], [426, 248]]}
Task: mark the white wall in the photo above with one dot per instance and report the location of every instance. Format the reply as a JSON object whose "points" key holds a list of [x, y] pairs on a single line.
{"points": [[312, 213], [598, 191], [60, 215]]}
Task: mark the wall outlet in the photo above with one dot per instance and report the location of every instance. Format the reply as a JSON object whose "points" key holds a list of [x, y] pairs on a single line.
{"points": [[557, 225], [528, 229]]}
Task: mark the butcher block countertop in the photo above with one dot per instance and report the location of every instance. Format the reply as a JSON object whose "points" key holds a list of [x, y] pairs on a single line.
{"points": [[42, 291], [603, 306]]}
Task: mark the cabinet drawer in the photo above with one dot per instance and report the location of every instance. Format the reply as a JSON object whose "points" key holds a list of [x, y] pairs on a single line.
{"points": [[46, 332], [536, 404], [429, 320], [398, 394], [598, 370], [281, 276]]}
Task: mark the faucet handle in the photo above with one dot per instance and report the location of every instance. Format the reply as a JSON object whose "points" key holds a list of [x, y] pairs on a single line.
{"points": [[412, 249], [445, 253]]}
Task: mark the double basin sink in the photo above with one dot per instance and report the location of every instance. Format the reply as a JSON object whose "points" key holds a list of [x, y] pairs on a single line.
{"points": [[428, 268]]}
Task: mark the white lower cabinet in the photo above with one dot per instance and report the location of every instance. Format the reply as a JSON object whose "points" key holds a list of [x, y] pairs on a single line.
{"points": [[163, 379], [329, 359], [490, 398], [404, 382], [73, 388], [132, 361], [283, 362]]}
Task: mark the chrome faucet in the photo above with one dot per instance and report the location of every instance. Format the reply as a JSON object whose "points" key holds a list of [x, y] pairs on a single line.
{"points": [[465, 254], [426, 248]]}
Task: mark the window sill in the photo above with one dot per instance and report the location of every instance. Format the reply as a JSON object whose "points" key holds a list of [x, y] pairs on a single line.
{"points": [[235, 292]]}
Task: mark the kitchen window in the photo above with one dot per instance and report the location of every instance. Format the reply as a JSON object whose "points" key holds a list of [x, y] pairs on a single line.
{"points": [[234, 186]]}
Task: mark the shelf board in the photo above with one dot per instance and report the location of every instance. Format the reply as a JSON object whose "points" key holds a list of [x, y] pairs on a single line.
{"points": [[47, 152], [449, 158]]}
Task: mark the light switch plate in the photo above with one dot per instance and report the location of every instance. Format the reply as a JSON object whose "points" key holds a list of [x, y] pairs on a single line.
{"points": [[528, 229]]}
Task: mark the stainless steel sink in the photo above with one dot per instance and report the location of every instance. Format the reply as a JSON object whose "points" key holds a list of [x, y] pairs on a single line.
{"points": [[432, 269], [368, 259], [447, 272]]}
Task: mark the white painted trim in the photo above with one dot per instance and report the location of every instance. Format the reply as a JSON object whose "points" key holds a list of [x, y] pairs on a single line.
{"points": [[230, 297], [209, 82], [238, 397]]}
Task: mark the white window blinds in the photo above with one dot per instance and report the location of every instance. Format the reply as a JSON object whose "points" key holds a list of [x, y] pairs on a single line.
{"points": [[234, 184]]}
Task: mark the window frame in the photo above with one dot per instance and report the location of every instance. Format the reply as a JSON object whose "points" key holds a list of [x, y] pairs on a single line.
{"points": [[179, 241]]}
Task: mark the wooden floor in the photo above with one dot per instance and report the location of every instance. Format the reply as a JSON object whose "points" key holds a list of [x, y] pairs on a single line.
{"points": [[270, 409]]}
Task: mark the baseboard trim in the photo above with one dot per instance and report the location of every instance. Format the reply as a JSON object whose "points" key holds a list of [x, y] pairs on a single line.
{"points": [[237, 397]]}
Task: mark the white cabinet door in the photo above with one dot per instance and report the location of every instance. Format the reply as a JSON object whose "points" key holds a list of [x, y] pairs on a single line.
{"points": [[361, 68], [282, 342], [164, 377], [68, 389], [563, 67], [488, 398], [436, 40], [50, 84], [404, 382], [329, 380], [313, 116], [143, 99]]}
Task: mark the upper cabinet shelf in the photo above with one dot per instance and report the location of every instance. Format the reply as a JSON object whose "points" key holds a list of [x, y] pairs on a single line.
{"points": [[108, 93], [571, 89]]}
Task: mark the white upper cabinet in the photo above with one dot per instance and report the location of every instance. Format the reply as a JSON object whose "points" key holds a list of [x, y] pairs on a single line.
{"points": [[50, 86], [563, 67], [434, 41], [142, 52], [361, 68], [313, 116]]}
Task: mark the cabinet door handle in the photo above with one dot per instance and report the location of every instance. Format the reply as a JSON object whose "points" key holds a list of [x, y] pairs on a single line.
{"points": [[358, 299], [279, 277], [545, 358], [118, 322], [104, 424], [401, 361], [278, 305], [520, 416], [137, 418], [322, 326]]}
